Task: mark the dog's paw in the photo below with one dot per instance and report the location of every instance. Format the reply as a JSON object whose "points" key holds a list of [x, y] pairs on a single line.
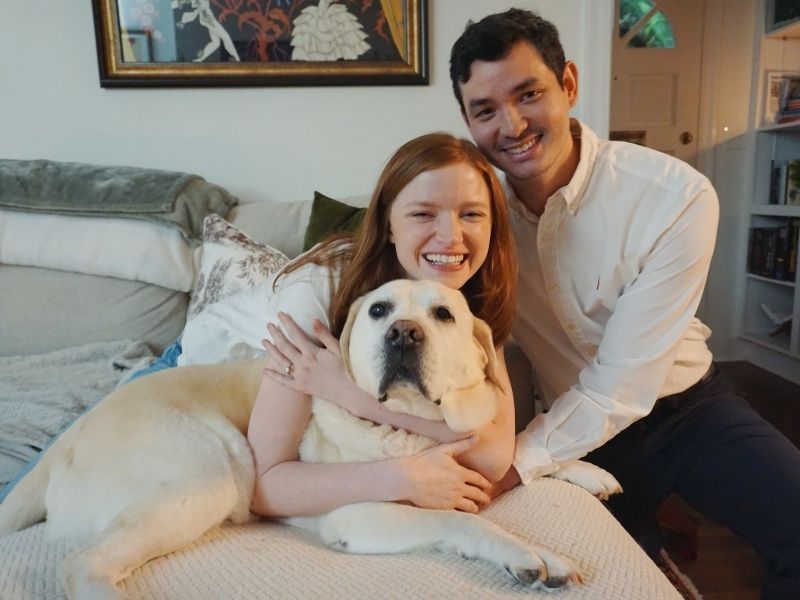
{"points": [[560, 572], [544, 570], [523, 575], [593, 479]]}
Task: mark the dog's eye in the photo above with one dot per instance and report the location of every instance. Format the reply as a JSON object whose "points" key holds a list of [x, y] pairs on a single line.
{"points": [[443, 313], [378, 310]]}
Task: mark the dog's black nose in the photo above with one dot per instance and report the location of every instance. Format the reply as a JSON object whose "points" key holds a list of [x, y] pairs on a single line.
{"points": [[405, 334]]}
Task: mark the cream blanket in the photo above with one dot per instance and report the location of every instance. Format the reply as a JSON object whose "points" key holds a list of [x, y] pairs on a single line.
{"points": [[274, 561]]}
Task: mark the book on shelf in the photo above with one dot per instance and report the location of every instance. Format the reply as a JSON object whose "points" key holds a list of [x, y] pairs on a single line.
{"points": [[777, 181], [792, 195], [784, 182], [772, 251]]}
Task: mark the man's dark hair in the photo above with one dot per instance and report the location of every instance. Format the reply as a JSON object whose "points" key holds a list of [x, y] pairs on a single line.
{"points": [[492, 38]]}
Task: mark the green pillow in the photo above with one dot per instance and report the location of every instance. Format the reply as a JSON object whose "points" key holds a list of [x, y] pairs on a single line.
{"points": [[330, 216]]}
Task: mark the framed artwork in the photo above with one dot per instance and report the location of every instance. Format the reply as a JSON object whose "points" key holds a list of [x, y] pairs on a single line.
{"points": [[634, 137], [172, 43], [778, 84]]}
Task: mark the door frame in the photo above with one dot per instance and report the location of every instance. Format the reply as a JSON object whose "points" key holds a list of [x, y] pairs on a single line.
{"points": [[712, 35]]}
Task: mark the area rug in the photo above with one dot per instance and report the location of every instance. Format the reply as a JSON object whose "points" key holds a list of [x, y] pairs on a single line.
{"points": [[680, 581]]}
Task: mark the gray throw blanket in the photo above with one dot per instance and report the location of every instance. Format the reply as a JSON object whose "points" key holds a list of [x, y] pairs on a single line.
{"points": [[178, 199], [41, 395]]}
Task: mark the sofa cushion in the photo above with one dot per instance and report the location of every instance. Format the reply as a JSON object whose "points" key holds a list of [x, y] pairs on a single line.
{"points": [[230, 262], [330, 216], [45, 310], [279, 224]]}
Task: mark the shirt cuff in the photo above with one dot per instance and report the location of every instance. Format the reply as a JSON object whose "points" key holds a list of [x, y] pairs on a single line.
{"points": [[532, 462]]}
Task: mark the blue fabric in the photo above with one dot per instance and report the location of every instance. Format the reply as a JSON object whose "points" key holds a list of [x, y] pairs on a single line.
{"points": [[26, 469], [716, 452], [168, 359]]}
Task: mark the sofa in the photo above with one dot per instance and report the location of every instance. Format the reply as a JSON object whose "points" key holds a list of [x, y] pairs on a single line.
{"points": [[93, 291]]}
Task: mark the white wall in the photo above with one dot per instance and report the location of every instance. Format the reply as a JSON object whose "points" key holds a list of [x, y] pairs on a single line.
{"points": [[260, 143], [726, 158]]}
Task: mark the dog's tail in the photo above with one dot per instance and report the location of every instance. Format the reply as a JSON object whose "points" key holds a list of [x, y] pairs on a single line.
{"points": [[25, 504]]}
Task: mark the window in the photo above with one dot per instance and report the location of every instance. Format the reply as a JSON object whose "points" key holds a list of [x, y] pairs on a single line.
{"points": [[644, 25]]}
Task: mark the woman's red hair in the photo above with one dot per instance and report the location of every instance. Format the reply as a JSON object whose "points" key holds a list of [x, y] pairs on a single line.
{"points": [[367, 259]]}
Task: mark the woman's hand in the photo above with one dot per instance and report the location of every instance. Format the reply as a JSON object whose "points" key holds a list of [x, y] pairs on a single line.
{"points": [[434, 479], [309, 366]]}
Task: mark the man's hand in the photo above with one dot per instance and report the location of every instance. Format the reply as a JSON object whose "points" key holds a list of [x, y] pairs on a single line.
{"points": [[509, 481]]}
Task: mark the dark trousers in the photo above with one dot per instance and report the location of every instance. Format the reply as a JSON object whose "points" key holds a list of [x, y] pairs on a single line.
{"points": [[711, 448]]}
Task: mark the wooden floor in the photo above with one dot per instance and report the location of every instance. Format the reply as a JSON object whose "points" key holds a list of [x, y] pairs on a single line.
{"points": [[726, 567]]}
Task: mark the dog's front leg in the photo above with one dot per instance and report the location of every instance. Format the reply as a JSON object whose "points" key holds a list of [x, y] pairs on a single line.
{"points": [[593, 479], [389, 528]]}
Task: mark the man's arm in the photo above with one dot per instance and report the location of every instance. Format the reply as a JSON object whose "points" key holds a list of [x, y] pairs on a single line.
{"points": [[638, 348]]}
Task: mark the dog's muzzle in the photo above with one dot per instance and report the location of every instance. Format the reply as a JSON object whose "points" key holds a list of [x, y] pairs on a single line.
{"points": [[403, 345]]}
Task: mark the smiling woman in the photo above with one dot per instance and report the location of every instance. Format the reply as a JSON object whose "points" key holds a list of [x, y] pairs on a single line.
{"points": [[437, 213], [440, 224]]}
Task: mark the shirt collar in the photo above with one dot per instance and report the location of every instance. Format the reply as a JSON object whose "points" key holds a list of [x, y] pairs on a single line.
{"points": [[574, 190], [572, 193]]}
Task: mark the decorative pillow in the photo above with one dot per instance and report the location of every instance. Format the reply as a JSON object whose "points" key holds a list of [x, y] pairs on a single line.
{"points": [[230, 262], [330, 216]]}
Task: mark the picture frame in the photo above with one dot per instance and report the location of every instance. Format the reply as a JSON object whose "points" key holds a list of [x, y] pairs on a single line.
{"points": [[638, 137], [214, 43], [775, 83]]}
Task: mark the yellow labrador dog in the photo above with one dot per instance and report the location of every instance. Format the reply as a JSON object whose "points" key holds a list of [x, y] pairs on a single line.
{"points": [[164, 458]]}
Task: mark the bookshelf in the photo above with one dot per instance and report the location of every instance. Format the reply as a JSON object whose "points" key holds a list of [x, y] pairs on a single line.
{"points": [[774, 241], [770, 320]]}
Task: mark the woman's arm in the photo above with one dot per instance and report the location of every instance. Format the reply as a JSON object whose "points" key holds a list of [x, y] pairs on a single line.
{"points": [[288, 487], [493, 454], [318, 370]]}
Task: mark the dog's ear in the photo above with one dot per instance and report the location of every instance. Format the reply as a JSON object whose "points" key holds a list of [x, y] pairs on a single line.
{"points": [[344, 339], [482, 335], [470, 408]]}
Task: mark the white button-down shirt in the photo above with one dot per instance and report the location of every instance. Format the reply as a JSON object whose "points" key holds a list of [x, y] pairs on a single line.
{"points": [[610, 277]]}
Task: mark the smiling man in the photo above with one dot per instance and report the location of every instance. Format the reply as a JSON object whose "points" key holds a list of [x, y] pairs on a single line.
{"points": [[614, 244]]}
